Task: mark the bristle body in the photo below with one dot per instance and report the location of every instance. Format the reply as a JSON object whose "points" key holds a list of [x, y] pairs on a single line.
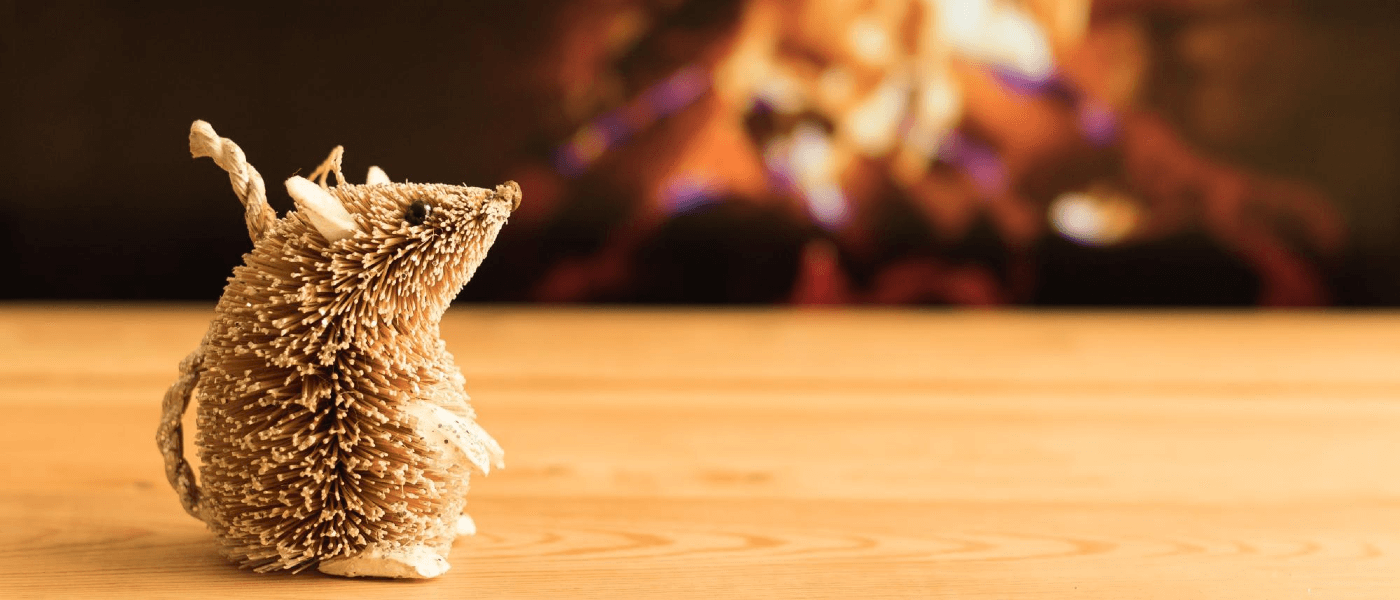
{"points": [[317, 350]]}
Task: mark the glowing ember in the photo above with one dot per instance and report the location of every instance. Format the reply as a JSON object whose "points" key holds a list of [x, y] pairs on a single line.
{"points": [[1097, 218]]}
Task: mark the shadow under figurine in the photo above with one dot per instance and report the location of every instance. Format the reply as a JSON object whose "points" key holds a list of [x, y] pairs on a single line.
{"points": [[334, 429]]}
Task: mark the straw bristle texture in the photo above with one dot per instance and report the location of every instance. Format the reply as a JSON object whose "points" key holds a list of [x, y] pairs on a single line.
{"points": [[316, 350]]}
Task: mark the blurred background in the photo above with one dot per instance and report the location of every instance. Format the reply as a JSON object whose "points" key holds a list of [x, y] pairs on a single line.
{"points": [[958, 152]]}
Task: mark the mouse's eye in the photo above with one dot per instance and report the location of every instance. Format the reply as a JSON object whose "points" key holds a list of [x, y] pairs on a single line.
{"points": [[417, 212]]}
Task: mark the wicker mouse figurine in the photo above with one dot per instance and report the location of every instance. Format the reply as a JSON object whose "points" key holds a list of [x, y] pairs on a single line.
{"points": [[334, 429]]}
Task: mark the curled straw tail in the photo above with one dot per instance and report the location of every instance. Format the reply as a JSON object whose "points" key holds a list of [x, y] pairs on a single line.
{"points": [[246, 181]]}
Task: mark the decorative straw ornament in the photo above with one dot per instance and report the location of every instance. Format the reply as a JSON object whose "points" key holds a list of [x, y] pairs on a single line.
{"points": [[334, 430]]}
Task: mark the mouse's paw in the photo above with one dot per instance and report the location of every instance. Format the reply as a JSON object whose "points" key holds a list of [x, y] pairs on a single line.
{"points": [[412, 562], [465, 525]]}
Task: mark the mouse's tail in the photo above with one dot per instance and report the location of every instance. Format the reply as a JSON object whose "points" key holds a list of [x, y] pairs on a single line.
{"points": [[170, 436], [246, 181]]}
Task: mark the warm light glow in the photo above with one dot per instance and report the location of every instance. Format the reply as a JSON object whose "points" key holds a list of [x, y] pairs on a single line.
{"points": [[811, 152], [806, 160], [870, 42], [936, 111], [1094, 218], [780, 91], [873, 124], [836, 86], [998, 33], [828, 205]]}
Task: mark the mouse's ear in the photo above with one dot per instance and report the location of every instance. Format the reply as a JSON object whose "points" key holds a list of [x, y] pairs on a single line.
{"points": [[376, 176], [327, 214]]}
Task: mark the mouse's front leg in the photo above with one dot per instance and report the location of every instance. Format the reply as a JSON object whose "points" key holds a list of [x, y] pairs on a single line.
{"points": [[457, 438]]}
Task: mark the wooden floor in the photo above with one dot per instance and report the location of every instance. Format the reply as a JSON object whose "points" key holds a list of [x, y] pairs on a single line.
{"points": [[777, 454]]}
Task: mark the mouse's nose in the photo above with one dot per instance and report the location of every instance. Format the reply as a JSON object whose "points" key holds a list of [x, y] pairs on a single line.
{"points": [[510, 192]]}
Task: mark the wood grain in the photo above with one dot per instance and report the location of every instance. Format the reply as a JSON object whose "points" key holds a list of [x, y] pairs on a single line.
{"points": [[780, 454]]}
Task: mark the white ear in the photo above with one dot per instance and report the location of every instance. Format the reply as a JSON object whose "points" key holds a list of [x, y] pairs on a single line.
{"points": [[376, 176], [327, 214]]}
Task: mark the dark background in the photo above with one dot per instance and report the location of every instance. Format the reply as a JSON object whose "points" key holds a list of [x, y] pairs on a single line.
{"points": [[99, 198]]}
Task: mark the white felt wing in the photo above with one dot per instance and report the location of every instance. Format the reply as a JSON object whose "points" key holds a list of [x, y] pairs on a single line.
{"points": [[439, 425]]}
